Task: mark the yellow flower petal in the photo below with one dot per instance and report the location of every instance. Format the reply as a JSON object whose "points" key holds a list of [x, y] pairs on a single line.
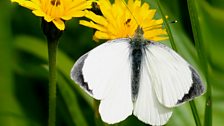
{"points": [[76, 14], [18, 1], [101, 35], [96, 18], [56, 10], [48, 18], [156, 39], [120, 20], [92, 25], [36, 1], [38, 13], [78, 5], [28, 4], [59, 24]]}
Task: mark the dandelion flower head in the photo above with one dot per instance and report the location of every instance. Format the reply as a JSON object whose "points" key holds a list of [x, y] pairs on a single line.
{"points": [[56, 11], [119, 20]]}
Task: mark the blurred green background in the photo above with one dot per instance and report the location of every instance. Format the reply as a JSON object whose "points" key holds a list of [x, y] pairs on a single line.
{"points": [[198, 36]]}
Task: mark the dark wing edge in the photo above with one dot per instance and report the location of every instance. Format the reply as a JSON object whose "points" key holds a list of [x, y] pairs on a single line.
{"points": [[197, 88], [77, 75]]}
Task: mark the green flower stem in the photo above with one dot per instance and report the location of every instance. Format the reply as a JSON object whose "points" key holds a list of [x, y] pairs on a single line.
{"points": [[52, 51], [168, 29], [52, 34]]}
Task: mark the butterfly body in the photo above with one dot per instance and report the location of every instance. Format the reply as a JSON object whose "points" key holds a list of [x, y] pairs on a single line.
{"points": [[137, 47], [135, 75]]}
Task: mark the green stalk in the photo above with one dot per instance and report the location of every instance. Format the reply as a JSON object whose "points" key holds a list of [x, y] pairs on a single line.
{"points": [[52, 51], [202, 56], [53, 34], [208, 107], [195, 113], [11, 109], [168, 29]]}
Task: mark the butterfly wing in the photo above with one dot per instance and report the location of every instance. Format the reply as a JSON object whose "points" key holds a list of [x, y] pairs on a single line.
{"points": [[173, 79], [105, 73], [147, 107]]}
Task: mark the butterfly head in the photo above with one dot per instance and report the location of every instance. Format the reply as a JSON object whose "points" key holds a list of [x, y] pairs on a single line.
{"points": [[139, 32], [138, 37]]}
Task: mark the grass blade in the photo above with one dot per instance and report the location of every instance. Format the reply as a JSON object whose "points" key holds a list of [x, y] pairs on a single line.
{"points": [[71, 101], [202, 56], [66, 91], [192, 104], [11, 112], [64, 63], [195, 113], [168, 29]]}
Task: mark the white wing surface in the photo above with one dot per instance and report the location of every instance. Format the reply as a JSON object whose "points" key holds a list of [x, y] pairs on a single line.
{"points": [[147, 107], [105, 73], [173, 79]]}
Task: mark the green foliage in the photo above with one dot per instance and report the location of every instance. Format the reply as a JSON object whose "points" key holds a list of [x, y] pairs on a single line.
{"points": [[198, 37]]}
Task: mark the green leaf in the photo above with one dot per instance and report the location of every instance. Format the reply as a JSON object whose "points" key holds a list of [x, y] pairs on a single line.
{"points": [[11, 113], [64, 84], [210, 21], [64, 63], [71, 102]]}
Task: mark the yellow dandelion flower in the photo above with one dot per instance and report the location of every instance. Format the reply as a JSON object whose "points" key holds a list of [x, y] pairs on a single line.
{"points": [[56, 11], [120, 20]]}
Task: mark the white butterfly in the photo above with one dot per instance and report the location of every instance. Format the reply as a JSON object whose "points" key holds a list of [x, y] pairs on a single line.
{"points": [[134, 75]]}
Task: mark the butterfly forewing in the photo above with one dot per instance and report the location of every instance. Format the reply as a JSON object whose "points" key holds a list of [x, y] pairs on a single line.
{"points": [[173, 79], [105, 73]]}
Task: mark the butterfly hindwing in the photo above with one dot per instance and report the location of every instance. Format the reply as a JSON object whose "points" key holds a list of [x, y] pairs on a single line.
{"points": [[147, 107], [173, 79], [105, 73]]}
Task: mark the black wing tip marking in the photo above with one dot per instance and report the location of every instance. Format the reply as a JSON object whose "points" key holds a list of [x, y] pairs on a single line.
{"points": [[197, 88], [77, 75]]}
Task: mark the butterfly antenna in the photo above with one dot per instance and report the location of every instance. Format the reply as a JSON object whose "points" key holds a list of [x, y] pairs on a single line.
{"points": [[130, 12], [158, 25], [174, 21]]}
